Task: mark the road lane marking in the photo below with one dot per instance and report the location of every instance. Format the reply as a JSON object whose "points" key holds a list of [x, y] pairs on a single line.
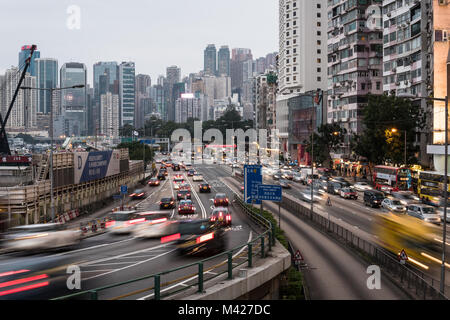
{"points": [[194, 277]]}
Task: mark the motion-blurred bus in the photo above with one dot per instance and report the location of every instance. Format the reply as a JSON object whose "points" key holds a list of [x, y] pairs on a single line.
{"points": [[388, 179], [420, 240], [430, 187]]}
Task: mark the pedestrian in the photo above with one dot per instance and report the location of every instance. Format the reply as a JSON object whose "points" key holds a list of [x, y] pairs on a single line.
{"points": [[329, 201]]}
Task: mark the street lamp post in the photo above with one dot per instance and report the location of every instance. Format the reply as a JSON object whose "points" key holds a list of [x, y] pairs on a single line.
{"points": [[52, 90], [395, 130], [444, 232]]}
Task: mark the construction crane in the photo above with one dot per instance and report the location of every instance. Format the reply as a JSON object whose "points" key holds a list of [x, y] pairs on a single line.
{"points": [[4, 145]]}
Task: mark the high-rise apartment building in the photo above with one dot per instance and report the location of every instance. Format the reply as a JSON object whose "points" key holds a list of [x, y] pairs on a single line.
{"points": [[187, 107], [127, 93], [109, 106], [302, 63], [23, 56], [223, 61], [24, 111], [210, 60], [47, 77], [355, 61], [143, 87], [238, 57], [405, 57], [74, 101]]}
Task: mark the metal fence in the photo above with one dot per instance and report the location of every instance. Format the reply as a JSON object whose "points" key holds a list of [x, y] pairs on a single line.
{"points": [[409, 278], [193, 276]]}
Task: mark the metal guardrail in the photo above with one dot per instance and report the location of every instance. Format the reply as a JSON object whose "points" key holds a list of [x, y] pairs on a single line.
{"points": [[196, 271], [406, 276]]}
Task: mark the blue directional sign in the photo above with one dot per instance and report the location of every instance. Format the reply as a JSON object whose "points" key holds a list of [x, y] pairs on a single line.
{"points": [[123, 189], [270, 193], [148, 141], [252, 178]]}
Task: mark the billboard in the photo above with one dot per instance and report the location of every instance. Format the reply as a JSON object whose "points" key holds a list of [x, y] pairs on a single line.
{"points": [[96, 165]]}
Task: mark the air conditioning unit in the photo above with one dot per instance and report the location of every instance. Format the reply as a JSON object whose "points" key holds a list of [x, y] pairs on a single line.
{"points": [[388, 14], [406, 82], [397, 83]]}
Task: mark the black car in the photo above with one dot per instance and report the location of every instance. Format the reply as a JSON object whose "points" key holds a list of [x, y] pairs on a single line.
{"points": [[161, 176], [204, 188], [167, 203], [138, 194], [373, 198], [176, 167], [204, 238], [183, 194]]}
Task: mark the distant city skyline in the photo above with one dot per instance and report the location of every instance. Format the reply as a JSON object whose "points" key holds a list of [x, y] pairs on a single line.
{"points": [[149, 37]]}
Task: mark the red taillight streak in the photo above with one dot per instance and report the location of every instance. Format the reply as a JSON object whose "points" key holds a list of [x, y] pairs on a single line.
{"points": [[159, 221], [110, 224], [10, 273], [20, 281], [136, 221], [206, 237], [170, 238], [132, 195], [26, 288]]}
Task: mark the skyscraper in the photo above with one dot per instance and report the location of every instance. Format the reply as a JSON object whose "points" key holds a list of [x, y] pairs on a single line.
{"points": [[239, 56], [47, 77], [210, 60], [173, 76], [127, 93], [74, 101], [23, 55], [143, 86], [223, 61], [23, 113], [106, 79]]}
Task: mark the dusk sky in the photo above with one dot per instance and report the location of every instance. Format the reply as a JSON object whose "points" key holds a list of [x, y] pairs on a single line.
{"points": [[154, 34]]}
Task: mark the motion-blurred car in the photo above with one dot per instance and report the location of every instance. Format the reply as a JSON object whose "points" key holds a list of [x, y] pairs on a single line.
{"points": [[297, 177], [288, 175], [277, 175], [221, 200], [197, 177], [306, 196], [222, 216], [183, 194], [176, 167], [333, 187], [156, 225], [153, 182], [348, 193], [40, 237], [123, 222], [373, 198], [204, 188], [284, 183], [393, 205], [191, 173], [138, 194], [204, 238], [167, 203], [406, 197], [310, 178], [186, 207], [161, 176], [362, 186], [424, 212]]}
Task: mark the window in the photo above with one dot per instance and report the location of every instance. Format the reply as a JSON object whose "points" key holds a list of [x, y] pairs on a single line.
{"points": [[319, 33], [318, 14], [319, 79]]}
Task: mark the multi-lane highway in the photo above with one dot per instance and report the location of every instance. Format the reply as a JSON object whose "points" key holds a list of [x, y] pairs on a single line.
{"points": [[107, 259]]}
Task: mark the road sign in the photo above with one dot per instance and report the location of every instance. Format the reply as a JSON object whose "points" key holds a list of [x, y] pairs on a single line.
{"points": [[269, 193], [252, 178], [403, 257], [123, 189], [298, 258], [151, 142]]}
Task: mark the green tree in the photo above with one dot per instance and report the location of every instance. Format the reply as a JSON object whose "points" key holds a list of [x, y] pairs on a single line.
{"points": [[327, 139], [136, 151], [379, 143]]}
